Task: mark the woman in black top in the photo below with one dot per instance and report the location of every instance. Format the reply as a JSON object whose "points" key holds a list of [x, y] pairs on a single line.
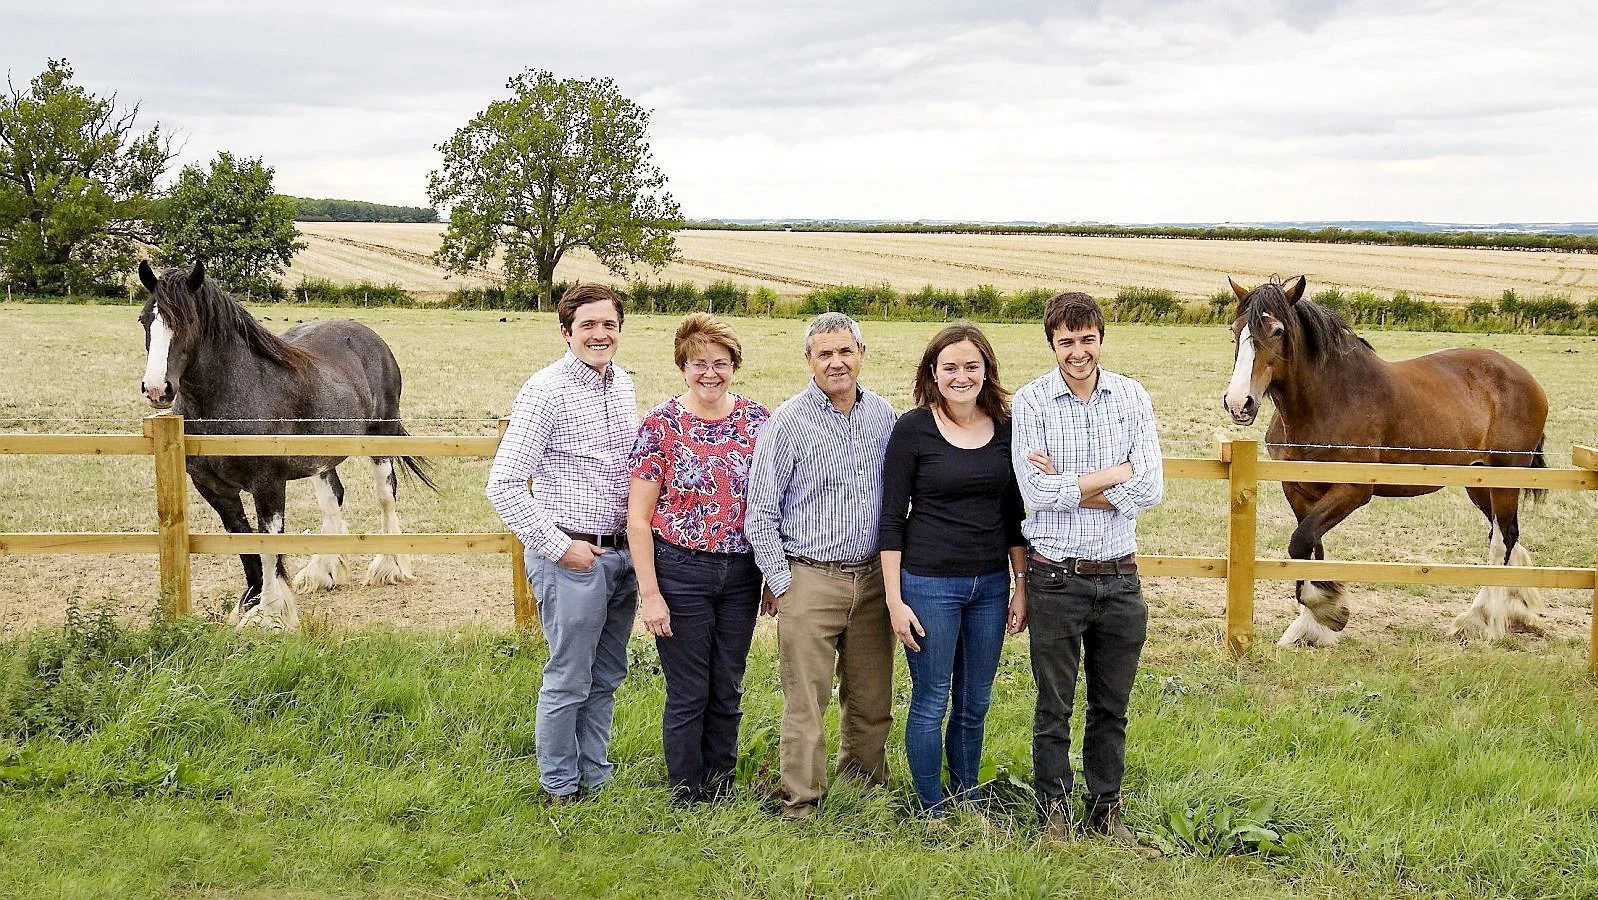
{"points": [[950, 537]]}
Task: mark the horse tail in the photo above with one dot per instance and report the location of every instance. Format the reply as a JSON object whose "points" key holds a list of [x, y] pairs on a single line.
{"points": [[1539, 460], [416, 465]]}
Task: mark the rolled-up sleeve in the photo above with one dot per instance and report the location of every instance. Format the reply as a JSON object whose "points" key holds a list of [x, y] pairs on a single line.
{"points": [[532, 420], [1146, 487], [768, 477], [1059, 491]]}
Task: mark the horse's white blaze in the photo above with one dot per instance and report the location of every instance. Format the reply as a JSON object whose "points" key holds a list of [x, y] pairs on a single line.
{"points": [[1237, 390], [326, 570], [155, 364], [387, 568]]}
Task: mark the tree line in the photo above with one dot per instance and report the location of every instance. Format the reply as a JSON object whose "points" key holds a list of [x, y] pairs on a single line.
{"points": [[307, 209], [1568, 243]]}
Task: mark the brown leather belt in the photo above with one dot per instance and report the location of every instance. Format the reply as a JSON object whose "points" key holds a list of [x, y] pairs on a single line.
{"points": [[617, 540], [863, 565], [1126, 565]]}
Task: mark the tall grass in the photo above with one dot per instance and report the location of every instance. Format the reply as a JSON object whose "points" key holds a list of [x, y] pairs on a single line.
{"points": [[186, 760]]}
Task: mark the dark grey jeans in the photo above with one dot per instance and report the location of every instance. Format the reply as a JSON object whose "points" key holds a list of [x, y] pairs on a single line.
{"points": [[1099, 622]]}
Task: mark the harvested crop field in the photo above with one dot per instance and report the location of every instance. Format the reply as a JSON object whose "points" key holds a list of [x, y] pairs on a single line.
{"points": [[794, 262]]}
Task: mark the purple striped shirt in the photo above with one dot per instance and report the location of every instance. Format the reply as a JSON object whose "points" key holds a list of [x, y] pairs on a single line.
{"points": [[563, 460]]}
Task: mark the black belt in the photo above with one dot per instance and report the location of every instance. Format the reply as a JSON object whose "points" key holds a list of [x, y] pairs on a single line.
{"points": [[618, 540], [1126, 565]]}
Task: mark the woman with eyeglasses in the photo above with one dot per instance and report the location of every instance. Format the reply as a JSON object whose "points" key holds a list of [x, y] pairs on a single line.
{"points": [[698, 587], [951, 544]]}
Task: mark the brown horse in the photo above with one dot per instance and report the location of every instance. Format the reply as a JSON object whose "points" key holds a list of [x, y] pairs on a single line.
{"points": [[1336, 400]]}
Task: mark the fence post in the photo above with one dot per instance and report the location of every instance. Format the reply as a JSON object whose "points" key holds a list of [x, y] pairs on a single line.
{"points": [[172, 511], [526, 605], [1587, 458], [1240, 531]]}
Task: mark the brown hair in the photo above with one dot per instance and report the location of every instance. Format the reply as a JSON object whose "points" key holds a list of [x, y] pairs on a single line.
{"points": [[581, 294], [1075, 311], [701, 330], [992, 399]]}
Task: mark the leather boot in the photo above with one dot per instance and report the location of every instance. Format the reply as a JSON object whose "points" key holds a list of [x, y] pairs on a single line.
{"points": [[1107, 822]]}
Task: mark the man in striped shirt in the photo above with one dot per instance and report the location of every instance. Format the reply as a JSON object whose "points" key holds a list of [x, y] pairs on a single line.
{"points": [[560, 482], [1087, 460], [815, 493]]}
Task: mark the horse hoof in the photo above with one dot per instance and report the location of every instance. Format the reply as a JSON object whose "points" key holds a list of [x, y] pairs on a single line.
{"points": [[324, 573], [1307, 630], [389, 569]]}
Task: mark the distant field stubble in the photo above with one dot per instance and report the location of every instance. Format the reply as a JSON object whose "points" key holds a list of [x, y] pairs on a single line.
{"points": [[462, 368], [793, 263]]}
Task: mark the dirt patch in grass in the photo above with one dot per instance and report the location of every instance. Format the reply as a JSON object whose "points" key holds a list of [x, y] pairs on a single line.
{"points": [[454, 591]]}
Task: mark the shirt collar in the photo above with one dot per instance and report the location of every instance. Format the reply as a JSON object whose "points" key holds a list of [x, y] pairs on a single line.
{"points": [[1058, 388], [585, 374], [820, 397]]}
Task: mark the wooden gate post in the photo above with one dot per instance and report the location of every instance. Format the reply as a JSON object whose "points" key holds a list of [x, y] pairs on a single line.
{"points": [[1240, 549], [526, 605], [172, 511]]}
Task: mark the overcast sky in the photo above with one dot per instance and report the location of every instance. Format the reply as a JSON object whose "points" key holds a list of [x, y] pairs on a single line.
{"points": [[1063, 110]]}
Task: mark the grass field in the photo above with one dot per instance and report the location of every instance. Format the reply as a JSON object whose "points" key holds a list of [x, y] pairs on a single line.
{"points": [[190, 762], [462, 369], [794, 262], [193, 763]]}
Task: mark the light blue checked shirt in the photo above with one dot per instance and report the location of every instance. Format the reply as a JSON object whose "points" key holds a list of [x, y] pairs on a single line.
{"points": [[1115, 426], [815, 489]]}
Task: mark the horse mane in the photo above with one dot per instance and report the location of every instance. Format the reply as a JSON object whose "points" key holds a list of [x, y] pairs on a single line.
{"points": [[213, 315], [1315, 329]]}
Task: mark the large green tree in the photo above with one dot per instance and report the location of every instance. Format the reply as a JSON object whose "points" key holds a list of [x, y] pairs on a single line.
{"points": [[229, 217], [76, 182], [561, 164]]}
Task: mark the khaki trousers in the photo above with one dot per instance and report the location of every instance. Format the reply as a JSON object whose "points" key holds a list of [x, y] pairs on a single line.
{"points": [[834, 618]]}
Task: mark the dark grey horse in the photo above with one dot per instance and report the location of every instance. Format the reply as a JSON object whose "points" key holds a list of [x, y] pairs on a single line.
{"points": [[212, 362]]}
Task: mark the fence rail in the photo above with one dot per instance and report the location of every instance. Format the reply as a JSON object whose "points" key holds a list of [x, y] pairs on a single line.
{"points": [[1237, 463]]}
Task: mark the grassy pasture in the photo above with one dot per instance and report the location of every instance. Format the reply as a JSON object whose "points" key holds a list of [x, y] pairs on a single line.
{"points": [[399, 762], [188, 762], [792, 263], [462, 369]]}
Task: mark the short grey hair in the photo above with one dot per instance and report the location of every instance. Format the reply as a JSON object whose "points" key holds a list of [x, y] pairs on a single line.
{"points": [[829, 322]]}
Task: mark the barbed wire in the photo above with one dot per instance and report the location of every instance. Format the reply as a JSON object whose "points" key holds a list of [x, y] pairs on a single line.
{"points": [[489, 419], [125, 421], [1396, 449]]}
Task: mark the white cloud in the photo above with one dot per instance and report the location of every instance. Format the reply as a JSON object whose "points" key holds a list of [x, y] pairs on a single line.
{"points": [[1140, 111]]}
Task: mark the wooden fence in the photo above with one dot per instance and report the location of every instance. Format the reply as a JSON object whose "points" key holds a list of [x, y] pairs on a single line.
{"points": [[1237, 463]]}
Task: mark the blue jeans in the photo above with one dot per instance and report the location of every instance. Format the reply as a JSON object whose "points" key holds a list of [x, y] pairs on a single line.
{"points": [[964, 620], [714, 599], [587, 618]]}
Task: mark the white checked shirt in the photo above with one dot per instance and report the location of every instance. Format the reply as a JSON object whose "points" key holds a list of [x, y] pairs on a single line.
{"points": [[1115, 426], [571, 430]]}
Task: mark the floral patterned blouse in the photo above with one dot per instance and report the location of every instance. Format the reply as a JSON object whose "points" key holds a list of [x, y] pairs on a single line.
{"points": [[703, 469]]}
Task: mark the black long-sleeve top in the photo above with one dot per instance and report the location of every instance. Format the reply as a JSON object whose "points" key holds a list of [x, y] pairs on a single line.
{"points": [[952, 512]]}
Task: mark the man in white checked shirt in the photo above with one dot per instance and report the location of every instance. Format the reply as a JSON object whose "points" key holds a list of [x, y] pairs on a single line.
{"points": [[1087, 460], [560, 482]]}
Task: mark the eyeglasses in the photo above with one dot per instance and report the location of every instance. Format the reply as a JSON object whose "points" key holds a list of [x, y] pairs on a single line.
{"points": [[700, 367]]}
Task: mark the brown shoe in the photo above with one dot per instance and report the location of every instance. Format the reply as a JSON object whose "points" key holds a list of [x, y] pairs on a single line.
{"points": [[799, 812], [562, 799], [1059, 826], [1107, 822]]}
